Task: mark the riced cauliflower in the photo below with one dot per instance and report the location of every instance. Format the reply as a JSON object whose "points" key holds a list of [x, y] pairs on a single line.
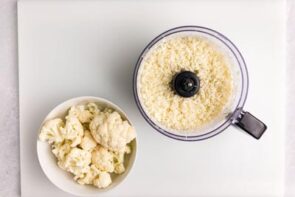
{"points": [[184, 53], [109, 130], [78, 152]]}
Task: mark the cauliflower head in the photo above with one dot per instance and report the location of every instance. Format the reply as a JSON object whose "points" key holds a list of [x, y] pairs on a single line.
{"points": [[109, 130]]}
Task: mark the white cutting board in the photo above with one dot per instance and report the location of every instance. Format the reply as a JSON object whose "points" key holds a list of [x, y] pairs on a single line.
{"points": [[77, 48]]}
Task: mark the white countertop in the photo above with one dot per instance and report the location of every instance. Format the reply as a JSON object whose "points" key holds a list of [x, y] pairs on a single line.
{"points": [[9, 157]]}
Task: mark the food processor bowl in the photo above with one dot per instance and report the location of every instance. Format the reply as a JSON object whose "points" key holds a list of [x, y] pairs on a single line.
{"points": [[232, 114]]}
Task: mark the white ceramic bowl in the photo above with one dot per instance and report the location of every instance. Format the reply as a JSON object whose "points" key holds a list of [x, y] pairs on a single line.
{"points": [[64, 180]]}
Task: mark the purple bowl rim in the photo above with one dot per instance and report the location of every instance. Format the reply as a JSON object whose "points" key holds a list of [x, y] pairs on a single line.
{"points": [[222, 38]]}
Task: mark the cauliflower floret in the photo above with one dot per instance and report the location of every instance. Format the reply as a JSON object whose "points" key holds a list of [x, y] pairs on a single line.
{"points": [[93, 109], [60, 150], [81, 113], [103, 180], [109, 130], [85, 113], [88, 177], [119, 160], [77, 161], [88, 143], [119, 168], [103, 159], [127, 149], [52, 131], [73, 130]]}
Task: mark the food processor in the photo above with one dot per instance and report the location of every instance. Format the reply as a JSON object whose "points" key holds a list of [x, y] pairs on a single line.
{"points": [[186, 84]]}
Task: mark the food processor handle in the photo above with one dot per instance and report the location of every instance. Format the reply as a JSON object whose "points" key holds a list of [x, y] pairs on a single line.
{"points": [[250, 124]]}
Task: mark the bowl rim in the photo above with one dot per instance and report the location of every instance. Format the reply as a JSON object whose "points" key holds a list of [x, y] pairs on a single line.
{"points": [[244, 80], [82, 99]]}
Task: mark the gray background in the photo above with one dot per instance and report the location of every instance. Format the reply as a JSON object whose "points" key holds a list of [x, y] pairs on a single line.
{"points": [[9, 126]]}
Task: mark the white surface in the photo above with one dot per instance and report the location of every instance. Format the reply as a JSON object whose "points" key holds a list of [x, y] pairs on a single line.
{"points": [[9, 170], [78, 48], [290, 134], [63, 179]]}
